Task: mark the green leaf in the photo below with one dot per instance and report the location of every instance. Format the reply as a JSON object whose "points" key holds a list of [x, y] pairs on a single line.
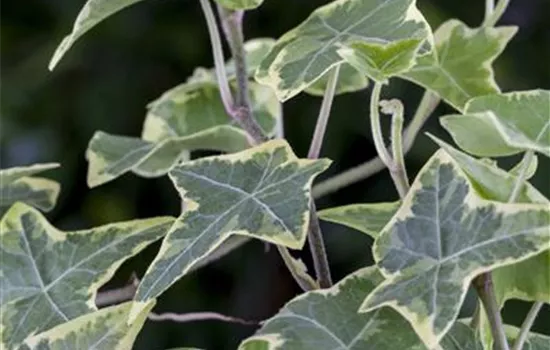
{"points": [[93, 12], [506, 123], [381, 61], [107, 328], [240, 4], [49, 277], [443, 236], [328, 319], [531, 168], [263, 192], [307, 52], [349, 80], [17, 185], [461, 67], [535, 341], [367, 218], [461, 337], [186, 118]]}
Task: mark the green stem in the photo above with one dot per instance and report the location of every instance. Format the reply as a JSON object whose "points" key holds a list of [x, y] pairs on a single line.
{"points": [[489, 8], [363, 171], [399, 172], [526, 325], [498, 11], [304, 281], [318, 251], [324, 114], [376, 128]]}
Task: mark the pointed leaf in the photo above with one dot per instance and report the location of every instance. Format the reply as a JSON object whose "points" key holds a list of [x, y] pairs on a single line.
{"points": [[186, 118], [381, 61], [507, 123], [444, 235], [461, 67], [17, 185], [367, 218], [328, 319], [305, 53], [263, 192], [49, 276], [93, 12], [107, 328], [240, 4]]}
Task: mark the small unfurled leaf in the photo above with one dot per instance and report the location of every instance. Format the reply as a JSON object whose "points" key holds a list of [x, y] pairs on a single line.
{"points": [[186, 118], [349, 80], [240, 4], [49, 277], [461, 67], [18, 185], [443, 236], [381, 61], [503, 124], [531, 168], [93, 12], [367, 218], [107, 328], [263, 192], [328, 319], [307, 52]]}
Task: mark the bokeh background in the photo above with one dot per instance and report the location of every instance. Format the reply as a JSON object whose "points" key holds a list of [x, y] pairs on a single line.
{"points": [[127, 61]]}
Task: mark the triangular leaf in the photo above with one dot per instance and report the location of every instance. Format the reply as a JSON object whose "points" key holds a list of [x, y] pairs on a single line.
{"points": [[93, 12], [367, 218], [263, 192], [107, 328], [328, 319], [506, 123], [381, 61], [305, 53], [240, 4], [461, 67], [186, 118], [444, 235], [49, 276], [17, 185]]}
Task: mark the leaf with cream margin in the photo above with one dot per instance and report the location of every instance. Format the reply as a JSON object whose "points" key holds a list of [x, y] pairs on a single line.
{"points": [[381, 61], [186, 118], [349, 80], [107, 328], [328, 319], [49, 277], [240, 4], [460, 337], [93, 12], [461, 67], [503, 124], [531, 168], [263, 192], [307, 52], [369, 218], [443, 236], [18, 185]]}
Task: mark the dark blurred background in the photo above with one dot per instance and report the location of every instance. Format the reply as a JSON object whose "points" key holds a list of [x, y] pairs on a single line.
{"points": [[109, 76]]}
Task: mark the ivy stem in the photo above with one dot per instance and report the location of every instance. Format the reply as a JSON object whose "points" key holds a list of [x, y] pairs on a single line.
{"points": [[489, 8], [363, 171], [315, 236], [497, 12], [396, 165], [526, 325], [324, 114], [304, 283]]}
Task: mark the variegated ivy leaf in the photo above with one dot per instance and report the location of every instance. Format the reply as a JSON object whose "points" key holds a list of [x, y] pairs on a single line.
{"points": [[93, 12], [107, 328], [535, 341], [49, 277], [263, 192], [328, 319], [381, 61], [240, 4], [527, 280], [349, 80], [18, 185], [461, 68], [460, 337], [444, 235], [506, 123], [531, 168], [367, 218], [188, 117], [305, 53]]}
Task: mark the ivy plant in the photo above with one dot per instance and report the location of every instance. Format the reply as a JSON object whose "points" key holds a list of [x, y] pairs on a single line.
{"points": [[463, 222]]}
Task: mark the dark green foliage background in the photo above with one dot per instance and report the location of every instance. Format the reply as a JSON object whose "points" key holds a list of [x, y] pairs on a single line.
{"points": [[107, 79]]}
